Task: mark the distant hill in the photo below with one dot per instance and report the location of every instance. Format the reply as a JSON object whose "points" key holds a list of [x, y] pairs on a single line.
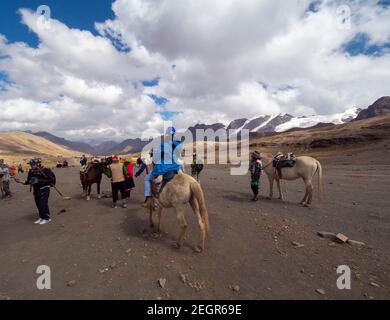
{"points": [[328, 135], [104, 148], [17, 142], [74, 145], [263, 125], [126, 147], [379, 107]]}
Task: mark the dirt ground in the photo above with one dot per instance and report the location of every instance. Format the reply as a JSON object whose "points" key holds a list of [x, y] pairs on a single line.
{"points": [[110, 253]]}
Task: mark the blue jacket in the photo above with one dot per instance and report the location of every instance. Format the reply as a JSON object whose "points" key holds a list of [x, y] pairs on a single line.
{"points": [[166, 158]]}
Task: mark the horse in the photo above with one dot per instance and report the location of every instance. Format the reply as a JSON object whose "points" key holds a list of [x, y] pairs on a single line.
{"points": [[93, 174], [179, 191], [305, 168], [196, 169]]}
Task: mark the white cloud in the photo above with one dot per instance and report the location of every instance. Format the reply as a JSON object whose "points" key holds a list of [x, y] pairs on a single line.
{"points": [[232, 59]]}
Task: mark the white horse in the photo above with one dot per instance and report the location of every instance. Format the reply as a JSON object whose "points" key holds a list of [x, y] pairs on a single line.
{"points": [[305, 168]]}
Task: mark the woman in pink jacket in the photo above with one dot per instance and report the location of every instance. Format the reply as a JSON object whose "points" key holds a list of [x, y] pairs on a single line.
{"points": [[129, 181]]}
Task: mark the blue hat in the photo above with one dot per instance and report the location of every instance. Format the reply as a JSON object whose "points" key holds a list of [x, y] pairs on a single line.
{"points": [[171, 130]]}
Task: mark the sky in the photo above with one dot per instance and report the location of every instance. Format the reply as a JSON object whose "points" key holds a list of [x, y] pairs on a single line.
{"points": [[118, 69]]}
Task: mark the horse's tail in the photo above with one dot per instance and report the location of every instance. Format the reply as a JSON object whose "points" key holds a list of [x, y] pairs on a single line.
{"points": [[320, 188], [198, 194]]}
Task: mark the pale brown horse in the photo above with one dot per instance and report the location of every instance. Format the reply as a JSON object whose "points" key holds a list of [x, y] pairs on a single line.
{"points": [[177, 193], [305, 168]]}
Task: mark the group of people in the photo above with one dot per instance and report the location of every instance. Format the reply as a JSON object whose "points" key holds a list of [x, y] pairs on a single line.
{"points": [[164, 162], [122, 181]]}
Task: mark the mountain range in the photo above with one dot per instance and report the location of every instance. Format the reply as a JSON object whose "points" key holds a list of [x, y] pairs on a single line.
{"points": [[262, 125]]}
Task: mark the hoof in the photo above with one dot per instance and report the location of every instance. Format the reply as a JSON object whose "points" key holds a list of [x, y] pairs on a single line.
{"points": [[198, 249], [177, 245]]}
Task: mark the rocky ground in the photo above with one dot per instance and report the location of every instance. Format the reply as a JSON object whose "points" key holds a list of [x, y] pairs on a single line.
{"points": [[264, 250]]}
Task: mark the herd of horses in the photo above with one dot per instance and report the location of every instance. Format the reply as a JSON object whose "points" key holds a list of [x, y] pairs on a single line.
{"points": [[185, 189]]}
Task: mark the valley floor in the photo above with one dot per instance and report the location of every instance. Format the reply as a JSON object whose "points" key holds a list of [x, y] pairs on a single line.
{"points": [[110, 253]]}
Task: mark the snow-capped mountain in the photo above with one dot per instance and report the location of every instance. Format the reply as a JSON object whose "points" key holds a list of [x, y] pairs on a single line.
{"points": [[263, 124], [267, 124], [307, 122]]}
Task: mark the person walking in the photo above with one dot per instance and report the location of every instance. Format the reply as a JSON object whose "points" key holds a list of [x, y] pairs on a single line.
{"points": [[256, 170], [5, 176], [129, 181], [117, 172], [147, 166], [41, 179]]}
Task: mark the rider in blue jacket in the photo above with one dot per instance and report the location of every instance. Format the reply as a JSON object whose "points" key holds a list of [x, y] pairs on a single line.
{"points": [[166, 158]]}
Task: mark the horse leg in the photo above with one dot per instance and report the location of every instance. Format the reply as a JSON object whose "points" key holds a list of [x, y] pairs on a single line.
{"points": [[271, 187], [279, 189], [159, 210], [83, 186], [89, 187], [183, 225], [150, 208], [304, 197], [310, 191], [98, 189], [306, 194], [195, 207]]}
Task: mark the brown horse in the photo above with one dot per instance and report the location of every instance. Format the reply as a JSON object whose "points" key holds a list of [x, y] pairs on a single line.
{"points": [[93, 174]]}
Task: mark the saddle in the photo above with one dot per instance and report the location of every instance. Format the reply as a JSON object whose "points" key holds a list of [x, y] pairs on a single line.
{"points": [[158, 185], [281, 161]]}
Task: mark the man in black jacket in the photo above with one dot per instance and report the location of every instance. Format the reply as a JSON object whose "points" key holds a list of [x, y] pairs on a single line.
{"points": [[41, 179]]}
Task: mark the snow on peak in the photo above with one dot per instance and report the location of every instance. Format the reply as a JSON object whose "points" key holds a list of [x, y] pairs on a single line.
{"points": [[306, 122]]}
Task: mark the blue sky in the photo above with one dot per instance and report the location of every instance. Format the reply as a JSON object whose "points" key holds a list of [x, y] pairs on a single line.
{"points": [[76, 14]]}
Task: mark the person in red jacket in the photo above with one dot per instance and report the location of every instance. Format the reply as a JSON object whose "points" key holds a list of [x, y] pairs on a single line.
{"points": [[129, 181]]}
